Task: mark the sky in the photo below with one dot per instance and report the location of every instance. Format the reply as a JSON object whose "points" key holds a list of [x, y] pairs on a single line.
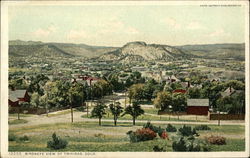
{"points": [[115, 25]]}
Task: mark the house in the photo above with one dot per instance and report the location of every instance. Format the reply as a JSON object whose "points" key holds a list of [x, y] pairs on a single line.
{"points": [[197, 106], [230, 91], [186, 85], [85, 79], [180, 91], [170, 79], [18, 96]]}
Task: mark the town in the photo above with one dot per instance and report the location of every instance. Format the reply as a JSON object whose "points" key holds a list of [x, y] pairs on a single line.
{"points": [[193, 94]]}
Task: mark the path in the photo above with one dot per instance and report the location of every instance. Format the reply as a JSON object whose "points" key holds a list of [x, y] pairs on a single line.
{"points": [[66, 118]]}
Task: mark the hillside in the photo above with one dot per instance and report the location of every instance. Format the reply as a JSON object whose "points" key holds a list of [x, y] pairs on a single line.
{"points": [[30, 48], [139, 51], [132, 51], [216, 51]]}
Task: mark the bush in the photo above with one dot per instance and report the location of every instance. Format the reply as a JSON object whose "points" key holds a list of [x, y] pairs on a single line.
{"points": [[81, 108], [24, 138], [156, 129], [189, 144], [218, 140], [99, 135], [179, 145], [156, 148], [143, 134], [57, 143], [202, 127], [164, 135], [187, 131], [171, 128], [12, 137]]}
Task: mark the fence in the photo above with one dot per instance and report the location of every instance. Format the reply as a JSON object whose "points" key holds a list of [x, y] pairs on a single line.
{"points": [[171, 113], [213, 116], [37, 111]]}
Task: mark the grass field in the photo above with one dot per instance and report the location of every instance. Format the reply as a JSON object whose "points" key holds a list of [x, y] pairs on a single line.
{"points": [[88, 136], [148, 117], [17, 121]]}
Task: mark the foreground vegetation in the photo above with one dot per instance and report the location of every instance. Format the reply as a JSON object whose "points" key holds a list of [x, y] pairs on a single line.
{"points": [[89, 136]]}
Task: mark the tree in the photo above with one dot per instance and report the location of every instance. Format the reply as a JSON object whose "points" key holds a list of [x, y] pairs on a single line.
{"points": [[179, 102], [235, 84], [75, 97], [43, 100], [163, 100], [135, 110], [211, 90], [135, 92], [35, 100], [18, 84], [99, 111], [116, 110], [194, 93], [149, 89], [20, 107], [37, 84], [101, 88], [116, 84]]}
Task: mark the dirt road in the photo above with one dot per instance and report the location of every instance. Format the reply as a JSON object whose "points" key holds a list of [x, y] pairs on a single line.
{"points": [[66, 118]]}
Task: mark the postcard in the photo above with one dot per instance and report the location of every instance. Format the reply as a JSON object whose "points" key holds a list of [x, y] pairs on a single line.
{"points": [[124, 79]]}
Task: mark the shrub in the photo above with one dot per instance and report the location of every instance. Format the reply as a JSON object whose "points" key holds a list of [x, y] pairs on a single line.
{"points": [[187, 131], [179, 145], [143, 134], [218, 140], [164, 135], [156, 129], [57, 143], [189, 144], [24, 138], [171, 128], [156, 148], [202, 127], [99, 135], [12, 137], [132, 136]]}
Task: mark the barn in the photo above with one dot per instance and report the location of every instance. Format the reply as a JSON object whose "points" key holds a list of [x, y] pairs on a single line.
{"points": [[18, 96], [197, 106]]}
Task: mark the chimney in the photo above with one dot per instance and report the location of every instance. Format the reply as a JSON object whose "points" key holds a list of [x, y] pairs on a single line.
{"points": [[230, 89], [188, 84]]}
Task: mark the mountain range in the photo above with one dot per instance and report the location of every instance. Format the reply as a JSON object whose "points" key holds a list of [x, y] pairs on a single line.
{"points": [[132, 51]]}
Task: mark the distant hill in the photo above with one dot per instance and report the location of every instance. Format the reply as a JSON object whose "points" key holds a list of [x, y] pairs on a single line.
{"points": [[140, 51], [216, 51], [31, 48], [132, 51]]}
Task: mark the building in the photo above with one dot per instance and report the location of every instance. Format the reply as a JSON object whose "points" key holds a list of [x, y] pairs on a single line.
{"points": [[18, 96], [197, 106], [180, 91]]}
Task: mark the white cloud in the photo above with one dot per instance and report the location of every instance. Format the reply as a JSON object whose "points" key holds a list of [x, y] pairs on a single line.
{"points": [[172, 22], [76, 34], [219, 33], [41, 32], [195, 25], [115, 25]]}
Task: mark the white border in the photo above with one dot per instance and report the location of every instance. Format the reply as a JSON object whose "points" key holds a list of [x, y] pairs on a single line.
{"points": [[4, 75]]}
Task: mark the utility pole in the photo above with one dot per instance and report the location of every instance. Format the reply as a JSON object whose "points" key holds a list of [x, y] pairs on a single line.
{"points": [[125, 98], [71, 114]]}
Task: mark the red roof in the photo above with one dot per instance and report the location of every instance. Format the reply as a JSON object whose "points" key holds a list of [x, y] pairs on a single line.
{"points": [[179, 91]]}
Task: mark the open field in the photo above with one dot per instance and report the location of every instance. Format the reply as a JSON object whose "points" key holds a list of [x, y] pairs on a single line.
{"points": [[154, 117], [88, 136]]}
